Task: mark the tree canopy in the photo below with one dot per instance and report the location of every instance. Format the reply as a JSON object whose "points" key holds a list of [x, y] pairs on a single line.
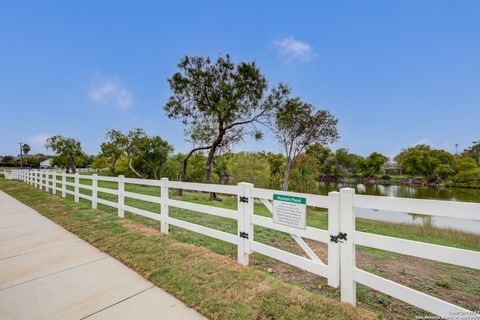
{"points": [[474, 151], [218, 102], [422, 160], [372, 164], [145, 155], [67, 149], [298, 125], [26, 148], [249, 167]]}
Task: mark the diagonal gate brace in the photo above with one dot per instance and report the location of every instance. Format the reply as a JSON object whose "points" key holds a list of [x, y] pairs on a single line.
{"points": [[308, 251]]}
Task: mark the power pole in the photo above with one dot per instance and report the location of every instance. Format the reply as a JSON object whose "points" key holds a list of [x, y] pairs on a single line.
{"points": [[21, 155]]}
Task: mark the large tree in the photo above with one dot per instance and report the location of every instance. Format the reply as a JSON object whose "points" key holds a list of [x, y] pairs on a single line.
{"points": [[147, 155], [67, 149], [342, 163], [474, 151], [423, 160], [297, 126], [249, 167], [152, 156], [114, 148], [373, 164], [218, 102]]}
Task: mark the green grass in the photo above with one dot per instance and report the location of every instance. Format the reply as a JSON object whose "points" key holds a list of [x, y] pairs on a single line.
{"points": [[213, 284]]}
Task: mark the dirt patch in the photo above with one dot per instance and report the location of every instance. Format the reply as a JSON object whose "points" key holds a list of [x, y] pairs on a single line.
{"points": [[189, 249], [457, 285], [434, 278], [140, 228]]}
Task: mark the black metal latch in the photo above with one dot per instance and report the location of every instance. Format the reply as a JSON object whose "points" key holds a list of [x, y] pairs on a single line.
{"points": [[338, 238], [244, 199], [243, 235]]}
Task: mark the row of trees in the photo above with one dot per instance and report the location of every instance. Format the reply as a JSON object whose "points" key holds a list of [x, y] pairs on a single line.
{"points": [[134, 153], [439, 165], [220, 103], [317, 163]]}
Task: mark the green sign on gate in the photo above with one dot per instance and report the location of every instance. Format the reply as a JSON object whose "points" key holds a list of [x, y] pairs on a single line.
{"points": [[290, 211]]}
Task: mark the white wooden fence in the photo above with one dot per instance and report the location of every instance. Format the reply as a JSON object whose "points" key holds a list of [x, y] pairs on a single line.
{"points": [[341, 236]]}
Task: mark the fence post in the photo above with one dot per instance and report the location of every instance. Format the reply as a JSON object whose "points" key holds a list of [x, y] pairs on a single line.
{"points": [[37, 178], [347, 248], [54, 182], [164, 205], [47, 176], [333, 248], [244, 225], [76, 188], [94, 190], [64, 184], [121, 196]]}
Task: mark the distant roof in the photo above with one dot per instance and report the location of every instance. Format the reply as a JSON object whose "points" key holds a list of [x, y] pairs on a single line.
{"points": [[47, 162]]}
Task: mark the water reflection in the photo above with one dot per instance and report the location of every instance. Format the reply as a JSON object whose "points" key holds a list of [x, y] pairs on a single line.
{"points": [[402, 217], [404, 191]]}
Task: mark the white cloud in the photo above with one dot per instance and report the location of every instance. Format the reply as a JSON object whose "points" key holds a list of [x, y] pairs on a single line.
{"points": [[293, 49], [37, 142], [110, 91]]}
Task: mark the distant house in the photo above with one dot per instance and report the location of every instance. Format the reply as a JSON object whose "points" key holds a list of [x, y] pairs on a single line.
{"points": [[393, 169], [46, 164]]}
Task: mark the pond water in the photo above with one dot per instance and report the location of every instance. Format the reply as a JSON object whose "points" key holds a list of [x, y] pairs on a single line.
{"points": [[406, 191]]}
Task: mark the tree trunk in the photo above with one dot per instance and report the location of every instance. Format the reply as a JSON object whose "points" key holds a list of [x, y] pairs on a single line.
{"points": [[131, 168], [113, 167], [183, 173], [71, 165], [211, 155], [208, 171], [286, 175]]}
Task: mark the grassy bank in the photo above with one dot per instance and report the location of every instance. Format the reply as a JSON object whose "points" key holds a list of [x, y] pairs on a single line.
{"points": [[213, 284], [437, 279]]}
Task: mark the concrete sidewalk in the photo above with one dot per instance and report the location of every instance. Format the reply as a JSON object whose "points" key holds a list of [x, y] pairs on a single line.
{"points": [[47, 272]]}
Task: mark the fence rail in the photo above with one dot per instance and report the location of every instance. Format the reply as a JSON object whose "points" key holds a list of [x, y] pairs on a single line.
{"points": [[341, 269]]}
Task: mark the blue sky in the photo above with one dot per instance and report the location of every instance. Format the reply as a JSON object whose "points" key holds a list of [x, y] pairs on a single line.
{"points": [[395, 73]]}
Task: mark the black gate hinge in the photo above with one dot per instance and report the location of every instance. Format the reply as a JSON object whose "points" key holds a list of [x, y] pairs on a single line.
{"points": [[243, 235], [244, 199], [338, 238]]}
